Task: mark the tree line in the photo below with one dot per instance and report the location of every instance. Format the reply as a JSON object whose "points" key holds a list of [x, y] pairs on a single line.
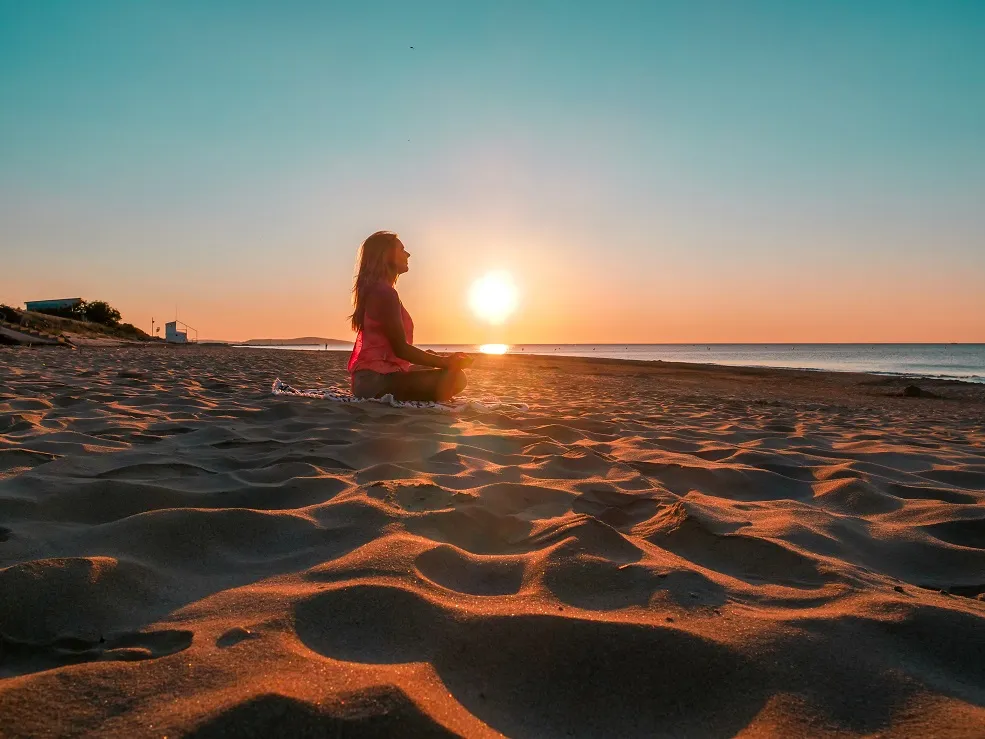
{"points": [[92, 311]]}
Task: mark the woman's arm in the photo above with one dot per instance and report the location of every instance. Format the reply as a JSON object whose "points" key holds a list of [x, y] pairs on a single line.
{"points": [[386, 306]]}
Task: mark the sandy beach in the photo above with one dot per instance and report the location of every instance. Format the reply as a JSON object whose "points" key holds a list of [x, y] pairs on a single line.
{"points": [[650, 550]]}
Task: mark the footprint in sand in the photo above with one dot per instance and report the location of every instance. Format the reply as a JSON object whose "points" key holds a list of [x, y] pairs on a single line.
{"points": [[23, 657], [460, 571], [526, 674]]}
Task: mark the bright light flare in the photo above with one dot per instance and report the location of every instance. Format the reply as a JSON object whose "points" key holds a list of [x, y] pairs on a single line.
{"points": [[493, 297], [493, 348]]}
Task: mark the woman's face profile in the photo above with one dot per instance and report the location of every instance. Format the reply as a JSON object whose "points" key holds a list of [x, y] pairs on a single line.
{"points": [[398, 258]]}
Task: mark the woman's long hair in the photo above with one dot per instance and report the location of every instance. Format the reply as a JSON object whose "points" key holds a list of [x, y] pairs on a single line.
{"points": [[372, 266]]}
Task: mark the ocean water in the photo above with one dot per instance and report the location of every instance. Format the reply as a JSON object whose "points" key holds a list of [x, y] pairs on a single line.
{"points": [[945, 361]]}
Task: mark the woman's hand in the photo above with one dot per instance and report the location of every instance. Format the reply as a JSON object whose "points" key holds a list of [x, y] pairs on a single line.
{"points": [[459, 360]]}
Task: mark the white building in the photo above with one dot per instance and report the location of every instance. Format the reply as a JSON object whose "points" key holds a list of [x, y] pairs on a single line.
{"points": [[175, 335]]}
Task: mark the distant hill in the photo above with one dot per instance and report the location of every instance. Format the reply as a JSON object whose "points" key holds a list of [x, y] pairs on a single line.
{"points": [[300, 341]]}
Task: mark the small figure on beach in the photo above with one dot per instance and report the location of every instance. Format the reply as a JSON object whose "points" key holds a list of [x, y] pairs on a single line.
{"points": [[384, 359]]}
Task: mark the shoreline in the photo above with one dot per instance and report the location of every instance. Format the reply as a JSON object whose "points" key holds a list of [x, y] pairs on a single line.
{"points": [[969, 379], [756, 369]]}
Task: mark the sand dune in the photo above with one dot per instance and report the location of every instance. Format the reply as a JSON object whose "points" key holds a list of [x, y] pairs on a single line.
{"points": [[649, 550]]}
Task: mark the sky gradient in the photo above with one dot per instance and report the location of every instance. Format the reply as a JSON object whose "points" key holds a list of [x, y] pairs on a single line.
{"points": [[646, 171]]}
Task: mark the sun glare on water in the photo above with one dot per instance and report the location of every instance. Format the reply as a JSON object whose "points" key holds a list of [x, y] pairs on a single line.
{"points": [[493, 348], [493, 297]]}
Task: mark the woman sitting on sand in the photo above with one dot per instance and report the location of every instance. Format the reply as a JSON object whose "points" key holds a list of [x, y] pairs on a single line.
{"points": [[384, 353]]}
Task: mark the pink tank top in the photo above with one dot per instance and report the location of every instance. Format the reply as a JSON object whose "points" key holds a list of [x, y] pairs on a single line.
{"points": [[372, 350]]}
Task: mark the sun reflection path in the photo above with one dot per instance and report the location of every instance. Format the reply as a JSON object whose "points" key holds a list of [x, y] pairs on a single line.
{"points": [[494, 348]]}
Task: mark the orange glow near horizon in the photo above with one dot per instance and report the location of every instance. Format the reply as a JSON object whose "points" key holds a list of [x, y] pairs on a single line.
{"points": [[564, 292], [571, 304]]}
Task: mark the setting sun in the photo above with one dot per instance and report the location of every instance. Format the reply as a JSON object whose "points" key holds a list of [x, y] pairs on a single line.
{"points": [[493, 297]]}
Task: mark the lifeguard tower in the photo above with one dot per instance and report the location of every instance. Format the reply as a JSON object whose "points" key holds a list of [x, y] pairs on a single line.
{"points": [[176, 332]]}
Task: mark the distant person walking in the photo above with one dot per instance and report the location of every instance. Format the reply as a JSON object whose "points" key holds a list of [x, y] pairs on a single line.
{"points": [[384, 354]]}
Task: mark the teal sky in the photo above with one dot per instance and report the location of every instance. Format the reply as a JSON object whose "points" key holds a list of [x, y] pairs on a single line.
{"points": [[648, 171]]}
